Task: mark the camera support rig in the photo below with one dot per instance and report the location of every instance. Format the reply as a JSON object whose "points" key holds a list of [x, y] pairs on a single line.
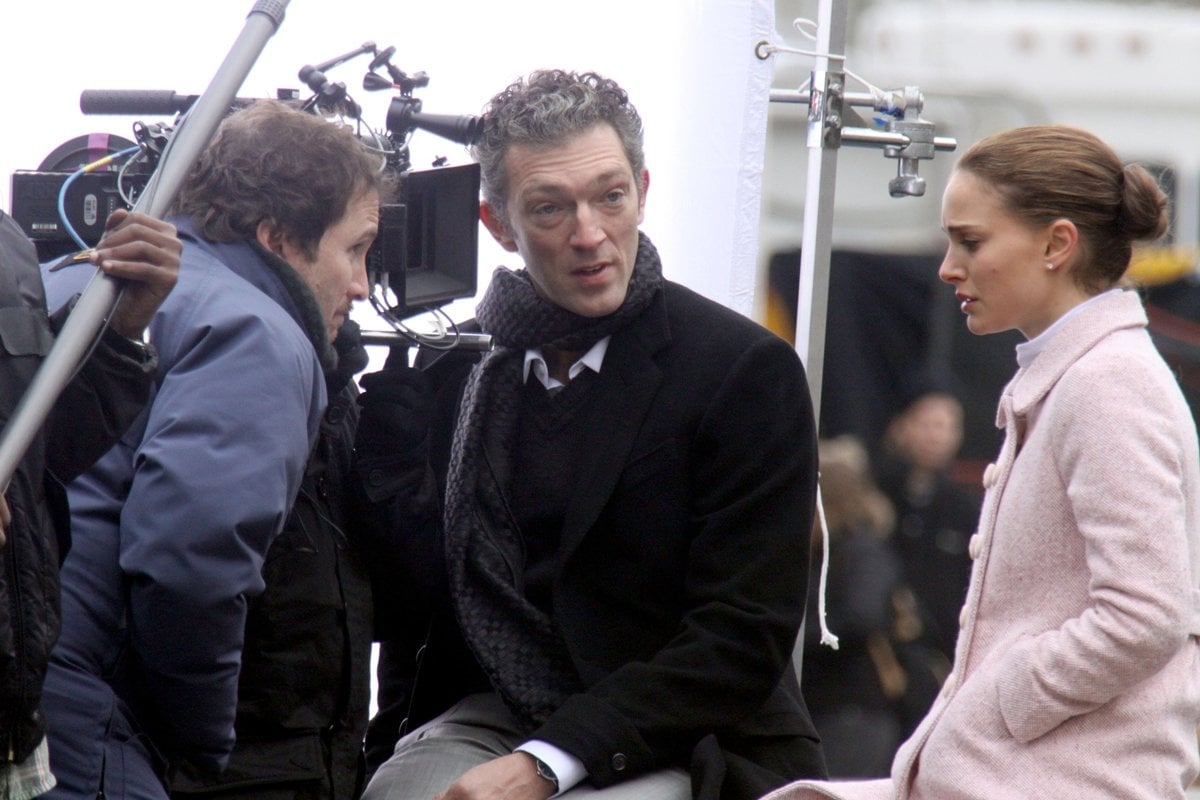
{"points": [[426, 251], [906, 137]]}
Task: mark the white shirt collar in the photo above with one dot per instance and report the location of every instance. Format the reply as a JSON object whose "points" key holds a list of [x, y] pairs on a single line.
{"points": [[1028, 351], [592, 359]]}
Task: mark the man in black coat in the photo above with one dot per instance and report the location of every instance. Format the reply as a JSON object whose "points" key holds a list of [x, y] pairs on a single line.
{"points": [[92, 412], [602, 563]]}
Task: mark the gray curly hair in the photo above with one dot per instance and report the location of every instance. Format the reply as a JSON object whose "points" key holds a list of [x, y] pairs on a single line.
{"points": [[545, 108]]}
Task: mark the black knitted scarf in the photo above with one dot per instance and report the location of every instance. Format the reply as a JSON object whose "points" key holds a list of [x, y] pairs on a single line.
{"points": [[515, 642]]}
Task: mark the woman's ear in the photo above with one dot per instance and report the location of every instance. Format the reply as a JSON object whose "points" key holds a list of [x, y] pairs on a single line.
{"points": [[1062, 242]]}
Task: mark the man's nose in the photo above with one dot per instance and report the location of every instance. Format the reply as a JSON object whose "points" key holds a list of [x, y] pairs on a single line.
{"points": [[588, 233], [360, 283]]}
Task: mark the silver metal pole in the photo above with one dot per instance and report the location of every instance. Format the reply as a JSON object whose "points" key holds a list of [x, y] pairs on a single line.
{"points": [[827, 94], [474, 342], [88, 316], [824, 137]]}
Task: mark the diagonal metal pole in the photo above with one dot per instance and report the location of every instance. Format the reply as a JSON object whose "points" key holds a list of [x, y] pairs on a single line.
{"points": [[88, 316]]}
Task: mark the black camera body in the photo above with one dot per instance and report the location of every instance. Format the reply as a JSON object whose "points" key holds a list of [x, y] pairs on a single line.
{"points": [[43, 211]]}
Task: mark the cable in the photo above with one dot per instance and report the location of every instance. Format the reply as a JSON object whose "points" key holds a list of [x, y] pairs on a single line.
{"points": [[802, 25], [62, 192]]}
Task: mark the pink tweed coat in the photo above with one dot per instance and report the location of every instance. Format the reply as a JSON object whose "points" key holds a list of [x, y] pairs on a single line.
{"points": [[1077, 668]]}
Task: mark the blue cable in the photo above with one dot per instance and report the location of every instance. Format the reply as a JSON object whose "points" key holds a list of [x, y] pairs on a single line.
{"points": [[62, 192]]}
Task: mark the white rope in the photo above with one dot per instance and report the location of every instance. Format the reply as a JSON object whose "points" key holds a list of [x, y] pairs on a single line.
{"points": [[803, 26], [827, 636]]}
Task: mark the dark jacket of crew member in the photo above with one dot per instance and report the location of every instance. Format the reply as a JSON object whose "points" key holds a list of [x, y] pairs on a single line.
{"points": [[93, 410], [304, 688]]}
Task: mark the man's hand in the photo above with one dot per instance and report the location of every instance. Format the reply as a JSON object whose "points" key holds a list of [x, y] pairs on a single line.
{"points": [[5, 518], [145, 252], [511, 777]]}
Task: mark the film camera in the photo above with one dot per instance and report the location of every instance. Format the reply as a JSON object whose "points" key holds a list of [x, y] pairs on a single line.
{"points": [[425, 254]]}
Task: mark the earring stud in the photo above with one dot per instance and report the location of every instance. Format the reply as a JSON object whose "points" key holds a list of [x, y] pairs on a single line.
{"points": [[1050, 266]]}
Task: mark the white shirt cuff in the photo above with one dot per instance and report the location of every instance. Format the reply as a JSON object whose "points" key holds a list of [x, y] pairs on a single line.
{"points": [[567, 768]]}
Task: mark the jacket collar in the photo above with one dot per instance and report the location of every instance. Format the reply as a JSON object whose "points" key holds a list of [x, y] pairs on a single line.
{"points": [[1079, 335], [272, 276]]}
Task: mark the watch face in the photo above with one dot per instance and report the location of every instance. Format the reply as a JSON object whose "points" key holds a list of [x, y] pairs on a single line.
{"points": [[544, 771]]}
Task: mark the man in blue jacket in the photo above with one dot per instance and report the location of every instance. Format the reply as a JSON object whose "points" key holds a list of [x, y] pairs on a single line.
{"points": [[171, 526]]}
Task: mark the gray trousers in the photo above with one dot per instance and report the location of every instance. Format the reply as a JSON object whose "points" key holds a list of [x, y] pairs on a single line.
{"points": [[475, 730]]}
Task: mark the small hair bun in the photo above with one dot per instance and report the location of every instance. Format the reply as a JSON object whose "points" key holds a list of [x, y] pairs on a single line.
{"points": [[1143, 210]]}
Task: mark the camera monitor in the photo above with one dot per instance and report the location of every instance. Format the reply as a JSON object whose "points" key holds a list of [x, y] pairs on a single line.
{"points": [[427, 249]]}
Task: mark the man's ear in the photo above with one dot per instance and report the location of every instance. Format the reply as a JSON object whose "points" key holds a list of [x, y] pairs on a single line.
{"points": [[270, 237], [495, 226], [644, 188]]}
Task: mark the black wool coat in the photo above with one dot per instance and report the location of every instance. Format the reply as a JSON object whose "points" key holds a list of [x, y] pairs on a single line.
{"points": [[681, 575]]}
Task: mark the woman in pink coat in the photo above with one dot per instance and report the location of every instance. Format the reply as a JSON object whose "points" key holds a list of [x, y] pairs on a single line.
{"points": [[1077, 668]]}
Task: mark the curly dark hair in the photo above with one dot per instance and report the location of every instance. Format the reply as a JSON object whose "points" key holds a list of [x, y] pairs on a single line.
{"points": [[271, 162], [545, 108]]}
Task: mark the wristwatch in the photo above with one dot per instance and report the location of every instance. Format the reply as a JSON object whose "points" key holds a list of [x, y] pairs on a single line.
{"points": [[131, 348], [543, 769]]}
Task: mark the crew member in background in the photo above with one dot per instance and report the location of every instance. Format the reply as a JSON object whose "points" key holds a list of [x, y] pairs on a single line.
{"points": [[92, 411]]}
